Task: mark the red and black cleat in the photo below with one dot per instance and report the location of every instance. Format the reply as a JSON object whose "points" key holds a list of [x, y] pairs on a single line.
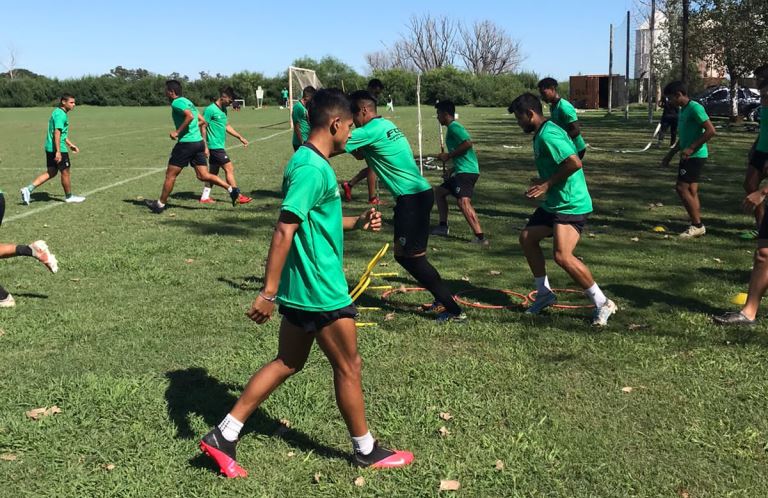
{"points": [[347, 188], [382, 458], [222, 452]]}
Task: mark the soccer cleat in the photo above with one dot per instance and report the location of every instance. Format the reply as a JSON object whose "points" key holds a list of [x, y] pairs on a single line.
{"points": [[733, 318], [382, 458], [243, 199], [603, 313], [26, 196], [154, 206], [693, 232], [347, 188], [74, 199], [440, 230], [542, 301], [447, 316], [436, 307], [480, 242], [222, 452], [235, 196], [8, 302], [207, 200], [43, 254], [748, 235]]}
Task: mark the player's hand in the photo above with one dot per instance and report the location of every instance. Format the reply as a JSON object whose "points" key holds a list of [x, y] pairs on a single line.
{"points": [[753, 201], [174, 135], [369, 220], [74, 148], [686, 153], [261, 310], [57, 157], [537, 190], [244, 142], [444, 157]]}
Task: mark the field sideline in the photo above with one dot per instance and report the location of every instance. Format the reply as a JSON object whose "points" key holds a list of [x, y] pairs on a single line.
{"points": [[142, 341]]}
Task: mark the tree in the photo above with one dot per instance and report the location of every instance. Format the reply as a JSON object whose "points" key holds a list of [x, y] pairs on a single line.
{"points": [[429, 43], [11, 62], [486, 48]]}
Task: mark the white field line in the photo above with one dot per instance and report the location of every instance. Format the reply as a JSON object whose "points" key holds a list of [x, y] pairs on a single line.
{"points": [[117, 184]]}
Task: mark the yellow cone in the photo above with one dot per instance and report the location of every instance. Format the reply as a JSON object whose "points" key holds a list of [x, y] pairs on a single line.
{"points": [[659, 229], [740, 299]]}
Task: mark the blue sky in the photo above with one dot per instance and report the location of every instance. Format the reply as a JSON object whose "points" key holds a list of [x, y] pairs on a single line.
{"points": [[73, 38]]}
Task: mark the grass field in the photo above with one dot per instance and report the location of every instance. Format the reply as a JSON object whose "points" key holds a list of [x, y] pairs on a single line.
{"points": [[142, 341]]}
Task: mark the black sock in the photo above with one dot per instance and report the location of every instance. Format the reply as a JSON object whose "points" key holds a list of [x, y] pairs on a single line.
{"points": [[429, 278], [24, 251], [480, 235], [698, 225], [3, 293], [443, 223]]}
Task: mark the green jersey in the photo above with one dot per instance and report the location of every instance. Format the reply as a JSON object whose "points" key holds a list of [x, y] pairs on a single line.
{"points": [[689, 127], [552, 146], [192, 132], [300, 116], [59, 121], [313, 275], [563, 113], [456, 135], [388, 153], [216, 117], [762, 139], [284, 93]]}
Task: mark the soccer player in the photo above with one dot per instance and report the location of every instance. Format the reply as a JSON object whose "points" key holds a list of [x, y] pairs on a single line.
{"points": [[284, 95], [38, 250], [694, 129], [563, 212], [300, 118], [190, 148], [215, 133], [562, 113], [460, 180], [305, 276], [387, 152], [375, 88], [57, 146], [757, 158], [668, 122]]}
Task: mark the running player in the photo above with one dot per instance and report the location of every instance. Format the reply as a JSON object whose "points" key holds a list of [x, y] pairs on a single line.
{"points": [[215, 134], [562, 113], [57, 146], [694, 129], [190, 149], [305, 275], [386, 151], [757, 158], [300, 118], [461, 179], [563, 212]]}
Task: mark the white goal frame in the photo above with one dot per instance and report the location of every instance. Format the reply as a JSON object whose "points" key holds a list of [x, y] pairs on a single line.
{"points": [[242, 102], [303, 77]]}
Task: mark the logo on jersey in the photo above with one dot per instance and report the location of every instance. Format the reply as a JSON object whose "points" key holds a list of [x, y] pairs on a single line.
{"points": [[395, 134], [402, 241]]}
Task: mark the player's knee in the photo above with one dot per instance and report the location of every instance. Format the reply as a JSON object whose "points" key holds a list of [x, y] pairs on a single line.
{"points": [[464, 203], [350, 368], [289, 367], [681, 188], [562, 258], [525, 239]]}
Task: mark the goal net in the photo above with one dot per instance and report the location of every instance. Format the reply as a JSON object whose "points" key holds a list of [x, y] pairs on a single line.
{"points": [[298, 79]]}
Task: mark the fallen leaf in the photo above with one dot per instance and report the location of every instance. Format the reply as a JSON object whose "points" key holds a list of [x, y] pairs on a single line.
{"points": [[359, 481], [189, 261], [446, 485], [683, 493], [717, 260], [444, 432], [139, 198], [499, 465], [8, 457], [446, 415], [172, 215], [465, 278], [658, 205], [434, 249], [627, 389], [316, 478], [109, 466], [38, 413], [2, 332], [291, 454], [74, 279], [389, 316], [494, 272], [285, 422], [384, 263], [45, 226], [635, 239], [591, 235], [636, 326], [238, 240]]}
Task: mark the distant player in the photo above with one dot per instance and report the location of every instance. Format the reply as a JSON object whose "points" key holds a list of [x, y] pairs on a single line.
{"points": [[390, 104], [460, 180], [57, 146], [563, 212], [190, 148], [215, 132], [284, 95], [305, 276], [669, 116], [695, 130], [387, 151], [38, 250], [562, 113], [757, 159], [300, 117]]}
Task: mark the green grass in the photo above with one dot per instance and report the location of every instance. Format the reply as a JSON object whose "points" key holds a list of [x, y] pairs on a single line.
{"points": [[143, 350]]}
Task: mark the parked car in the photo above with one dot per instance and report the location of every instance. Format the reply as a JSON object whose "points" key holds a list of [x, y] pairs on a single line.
{"points": [[717, 101]]}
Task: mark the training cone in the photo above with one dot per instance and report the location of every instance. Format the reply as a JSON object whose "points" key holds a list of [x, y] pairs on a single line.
{"points": [[740, 299], [659, 229]]}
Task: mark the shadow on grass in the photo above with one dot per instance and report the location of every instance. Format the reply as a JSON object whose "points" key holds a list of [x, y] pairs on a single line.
{"points": [[638, 297], [168, 206], [193, 392], [247, 284], [260, 194], [33, 295], [43, 197]]}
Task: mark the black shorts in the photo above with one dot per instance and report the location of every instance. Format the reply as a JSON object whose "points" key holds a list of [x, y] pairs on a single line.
{"points": [[217, 159], [2, 207], [296, 147], [313, 321], [186, 153], [50, 161], [689, 169], [461, 184], [543, 218], [757, 159], [412, 221]]}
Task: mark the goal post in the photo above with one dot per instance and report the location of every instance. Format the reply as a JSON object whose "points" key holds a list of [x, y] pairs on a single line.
{"points": [[298, 79]]}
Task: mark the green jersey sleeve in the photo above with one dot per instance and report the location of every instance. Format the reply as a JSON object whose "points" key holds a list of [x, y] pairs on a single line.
{"points": [[568, 112], [59, 121], [305, 188], [700, 114], [360, 138], [298, 113], [559, 148]]}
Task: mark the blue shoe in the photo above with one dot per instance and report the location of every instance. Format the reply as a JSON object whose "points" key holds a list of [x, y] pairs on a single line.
{"points": [[542, 301], [447, 316]]}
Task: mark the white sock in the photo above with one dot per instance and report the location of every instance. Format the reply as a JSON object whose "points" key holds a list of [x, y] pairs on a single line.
{"points": [[596, 295], [160, 204], [206, 193], [229, 189], [230, 428], [363, 444], [542, 285]]}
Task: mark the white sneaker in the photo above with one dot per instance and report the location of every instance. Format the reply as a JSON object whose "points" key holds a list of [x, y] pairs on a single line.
{"points": [[43, 254], [603, 313], [693, 232], [26, 196], [75, 199], [8, 302]]}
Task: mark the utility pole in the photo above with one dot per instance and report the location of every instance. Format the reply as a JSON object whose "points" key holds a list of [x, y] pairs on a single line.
{"points": [[610, 72], [651, 93], [684, 62], [626, 80]]}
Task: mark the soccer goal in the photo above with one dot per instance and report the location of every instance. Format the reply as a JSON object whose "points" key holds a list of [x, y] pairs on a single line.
{"points": [[298, 79]]}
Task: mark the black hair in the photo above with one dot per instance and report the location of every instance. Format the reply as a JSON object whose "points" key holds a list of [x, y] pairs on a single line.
{"points": [[446, 106], [524, 103], [376, 83], [547, 83], [308, 92], [363, 97], [674, 87], [228, 91], [66, 96], [326, 104], [173, 86]]}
